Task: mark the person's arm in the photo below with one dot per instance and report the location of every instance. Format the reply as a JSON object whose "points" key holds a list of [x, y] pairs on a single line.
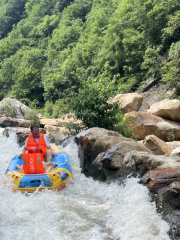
{"points": [[24, 149], [49, 147], [53, 153]]}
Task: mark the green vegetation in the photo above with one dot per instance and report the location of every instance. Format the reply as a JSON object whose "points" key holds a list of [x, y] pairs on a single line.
{"points": [[170, 136], [91, 105], [8, 109], [49, 49], [32, 116]]}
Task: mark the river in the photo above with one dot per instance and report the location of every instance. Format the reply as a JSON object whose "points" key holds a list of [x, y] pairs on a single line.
{"points": [[85, 210]]}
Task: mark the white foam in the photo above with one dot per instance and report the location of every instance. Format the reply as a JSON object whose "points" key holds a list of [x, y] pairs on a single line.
{"points": [[87, 209]]}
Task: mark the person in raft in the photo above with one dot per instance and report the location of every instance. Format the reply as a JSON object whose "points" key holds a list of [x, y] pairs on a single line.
{"points": [[35, 138]]}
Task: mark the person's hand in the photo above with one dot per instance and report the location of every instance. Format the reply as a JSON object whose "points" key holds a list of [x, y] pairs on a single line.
{"points": [[54, 153]]}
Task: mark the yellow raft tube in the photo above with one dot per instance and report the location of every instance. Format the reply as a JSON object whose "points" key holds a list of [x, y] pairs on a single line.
{"points": [[55, 180]]}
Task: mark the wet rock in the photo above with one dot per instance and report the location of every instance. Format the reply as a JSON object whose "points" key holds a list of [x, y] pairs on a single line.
{"points": [[173, 145], [94, 141], [144, 124], [176, 152], [156, 145], [56, 138], [12, 122], [142, 162], [169, 213], [18, 130], [173, 194], [113, 158], [21, 137], [130, 101], [168, 109], [3, 132], [157, 179]]}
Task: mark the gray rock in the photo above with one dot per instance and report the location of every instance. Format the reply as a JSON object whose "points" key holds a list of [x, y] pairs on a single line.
{"points": [[15, 106]]}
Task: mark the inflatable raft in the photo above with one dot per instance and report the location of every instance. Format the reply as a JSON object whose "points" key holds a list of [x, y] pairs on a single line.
{"points": [[55, 180]]}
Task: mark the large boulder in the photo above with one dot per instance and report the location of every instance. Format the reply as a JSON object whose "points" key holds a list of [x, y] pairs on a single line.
{"points": [[109, 165], [113, 158], [156, 145], [118, 162], [57, 138], [144, 124], [14, 108], [168, 109], [157, 179], [173, 194], [130, 101], [94, 141], [136, 162], [12, 122]]}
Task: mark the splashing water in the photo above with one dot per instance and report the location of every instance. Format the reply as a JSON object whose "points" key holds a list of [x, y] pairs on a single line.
{"points": [[86, 209]]}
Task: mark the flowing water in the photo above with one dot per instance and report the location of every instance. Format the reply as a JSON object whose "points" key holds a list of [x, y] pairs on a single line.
{"points": [[85, 210]]}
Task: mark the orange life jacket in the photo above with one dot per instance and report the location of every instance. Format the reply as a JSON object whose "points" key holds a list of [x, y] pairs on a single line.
{"points": [[33, 160], [41, 142], [33, 163]]}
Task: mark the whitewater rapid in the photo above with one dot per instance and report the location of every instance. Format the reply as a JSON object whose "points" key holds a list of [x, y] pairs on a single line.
{"points": [[85, 210]]}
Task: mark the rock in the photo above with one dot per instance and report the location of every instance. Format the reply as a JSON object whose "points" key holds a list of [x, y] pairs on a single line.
{"points": [[174, 144], [21, 137], [56, 138], [130, 101], [143, 162], [113, 158], [173, 194], [58, 122], [176, 152], [94, 141], [12, 122], [96, 170], [156, 93], [144, 124], [157, 179], [19, 130], [53, 129], [148, 84], [3, 132], [168, 109], [144, 107], [118, 163], [14, 107], [156, 145], [51, 122]]}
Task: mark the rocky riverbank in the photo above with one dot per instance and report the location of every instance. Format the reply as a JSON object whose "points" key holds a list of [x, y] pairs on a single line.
{"points": [[106, 155]]}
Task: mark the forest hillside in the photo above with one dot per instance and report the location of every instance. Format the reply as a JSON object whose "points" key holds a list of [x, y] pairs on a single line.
{"points": [[52, 49]]}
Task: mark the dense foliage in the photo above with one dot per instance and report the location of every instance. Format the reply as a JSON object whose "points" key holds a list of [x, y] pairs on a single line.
{"points": [[50, 48]]}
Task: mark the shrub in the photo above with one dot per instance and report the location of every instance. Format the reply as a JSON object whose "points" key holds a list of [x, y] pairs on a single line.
{"points": [[170, 136], [58, 109], [48, 109], [9, 110], [91, 105], [72, 128], [31, 115]]}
